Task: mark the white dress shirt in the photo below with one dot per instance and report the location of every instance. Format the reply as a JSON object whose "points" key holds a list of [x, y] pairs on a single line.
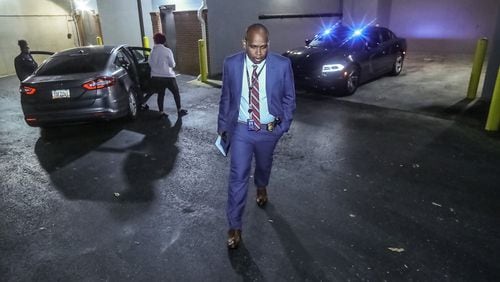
{"points": [[244, 115], [161, 60]]}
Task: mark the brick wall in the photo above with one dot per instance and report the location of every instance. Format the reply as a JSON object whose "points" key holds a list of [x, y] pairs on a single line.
{"points": [[188, 31], [156, 22]]}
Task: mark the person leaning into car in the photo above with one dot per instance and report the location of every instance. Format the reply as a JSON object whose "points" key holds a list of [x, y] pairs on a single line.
{"points": [[161, 62], [24, 63], [256, 108]]}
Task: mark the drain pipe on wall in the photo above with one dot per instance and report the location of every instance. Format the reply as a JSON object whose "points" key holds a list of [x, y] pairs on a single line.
{"points": [[73, 18], [202, 44]]}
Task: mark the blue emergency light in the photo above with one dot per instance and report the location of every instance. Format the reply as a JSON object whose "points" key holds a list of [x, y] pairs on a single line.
{"points": [[357, 32]]}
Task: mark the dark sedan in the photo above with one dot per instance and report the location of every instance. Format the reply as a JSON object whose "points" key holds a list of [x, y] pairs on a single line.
{"points": [[85, 83], [341, 58]]}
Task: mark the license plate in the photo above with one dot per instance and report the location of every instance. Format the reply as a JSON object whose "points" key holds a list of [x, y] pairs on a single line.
{"points": [[60, 94]]}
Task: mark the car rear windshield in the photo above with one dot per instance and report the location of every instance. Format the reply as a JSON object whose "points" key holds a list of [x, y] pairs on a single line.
{"points": [[74, 63]]}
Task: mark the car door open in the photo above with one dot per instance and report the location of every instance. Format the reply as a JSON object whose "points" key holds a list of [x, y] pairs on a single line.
{"points": [[140, 55]]}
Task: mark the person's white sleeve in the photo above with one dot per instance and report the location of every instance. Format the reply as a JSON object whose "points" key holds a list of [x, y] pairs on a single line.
{"points": [[170, 58]]}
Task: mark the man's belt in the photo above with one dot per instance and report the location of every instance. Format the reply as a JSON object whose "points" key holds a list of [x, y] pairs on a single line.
{"points": [[269, 126]]}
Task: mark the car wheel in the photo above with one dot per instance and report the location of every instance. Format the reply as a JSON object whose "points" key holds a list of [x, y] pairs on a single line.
{"points": [[398, 64], [132, 104], [351, 82]]}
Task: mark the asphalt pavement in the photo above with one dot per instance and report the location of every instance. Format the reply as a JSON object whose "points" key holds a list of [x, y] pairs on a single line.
{"points": [[357, 192]]}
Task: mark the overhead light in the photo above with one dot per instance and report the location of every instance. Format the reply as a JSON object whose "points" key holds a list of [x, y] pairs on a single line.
{"points": [[82, 5]]}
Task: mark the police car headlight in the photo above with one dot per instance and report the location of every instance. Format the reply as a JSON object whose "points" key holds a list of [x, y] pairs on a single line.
{"points": [[333, 67]]}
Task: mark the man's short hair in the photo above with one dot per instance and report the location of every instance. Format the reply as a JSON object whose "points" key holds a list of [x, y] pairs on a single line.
{"points": [[159, 38], [22, 43], [256, 27]]}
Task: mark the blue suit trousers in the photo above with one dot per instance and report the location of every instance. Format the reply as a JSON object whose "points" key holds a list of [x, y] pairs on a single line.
{"points": [[245, 145]]}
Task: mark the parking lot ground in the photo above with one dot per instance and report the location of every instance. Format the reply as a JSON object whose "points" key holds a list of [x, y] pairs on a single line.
{"points": [[358, 192], [427, 81]]}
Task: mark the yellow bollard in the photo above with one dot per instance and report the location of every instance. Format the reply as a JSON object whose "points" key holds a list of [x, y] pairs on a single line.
{"points": [[98, 40], [145, 44], [493, 121], [202, 53], [477, 66]]}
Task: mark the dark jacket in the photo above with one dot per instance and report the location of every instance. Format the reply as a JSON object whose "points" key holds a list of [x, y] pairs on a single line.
{"points": [[25, 65]]}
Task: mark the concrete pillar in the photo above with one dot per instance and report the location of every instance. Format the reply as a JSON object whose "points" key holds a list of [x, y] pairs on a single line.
{"points": [[168, 26], [493, 61]]}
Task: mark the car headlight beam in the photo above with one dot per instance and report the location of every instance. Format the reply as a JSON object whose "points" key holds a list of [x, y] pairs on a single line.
{"points": [[332, 68]]}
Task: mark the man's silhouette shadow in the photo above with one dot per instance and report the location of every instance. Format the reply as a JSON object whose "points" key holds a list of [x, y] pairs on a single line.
{"points": [[244, 265], [150, 160], [114, 161]]}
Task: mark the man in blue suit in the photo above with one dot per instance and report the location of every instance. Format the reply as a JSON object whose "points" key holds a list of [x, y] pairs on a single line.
{"points": [[256, 109]]}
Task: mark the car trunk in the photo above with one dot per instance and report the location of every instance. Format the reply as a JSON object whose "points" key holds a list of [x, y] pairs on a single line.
{"points": [[61, 92]]}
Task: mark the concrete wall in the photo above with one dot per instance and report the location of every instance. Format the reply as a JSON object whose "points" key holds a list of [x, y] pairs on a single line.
{"points": [[429, 25], [120, 21], [493, 60], [44, 24], [227, 20], [446, 25], [359, 12]]}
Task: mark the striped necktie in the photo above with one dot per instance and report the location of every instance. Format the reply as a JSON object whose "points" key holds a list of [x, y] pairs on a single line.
{"points": [[254, 101]]}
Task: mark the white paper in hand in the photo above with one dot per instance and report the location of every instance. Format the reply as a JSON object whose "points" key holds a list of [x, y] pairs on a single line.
{"points": [[219, 143]]}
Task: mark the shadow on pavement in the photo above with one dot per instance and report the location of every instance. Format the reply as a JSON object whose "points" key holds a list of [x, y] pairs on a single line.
{"points": [[150, 160], [471, 112], [432, 192], [299, 256], [113, 161], [244, 265]]}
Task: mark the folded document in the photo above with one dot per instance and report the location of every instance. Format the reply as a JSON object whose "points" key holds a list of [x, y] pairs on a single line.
{"points": [[223, 145]]}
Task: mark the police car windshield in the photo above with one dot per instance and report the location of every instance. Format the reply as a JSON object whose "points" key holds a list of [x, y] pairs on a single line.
{"points": [[331, 38]]}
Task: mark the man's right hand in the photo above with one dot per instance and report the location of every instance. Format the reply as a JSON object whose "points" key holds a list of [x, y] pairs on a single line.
{"points": [[223, 135]]}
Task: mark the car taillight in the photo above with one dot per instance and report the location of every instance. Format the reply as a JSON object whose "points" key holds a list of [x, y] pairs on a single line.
{"points": [[99, 83], [28, 90]]}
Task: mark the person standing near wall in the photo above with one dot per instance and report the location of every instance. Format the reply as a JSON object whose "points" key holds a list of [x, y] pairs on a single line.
{"points": [[255, 110], [161, 61], [24, 63]]}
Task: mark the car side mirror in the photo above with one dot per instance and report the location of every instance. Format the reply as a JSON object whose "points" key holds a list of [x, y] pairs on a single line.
{"points": [[308, 41]]}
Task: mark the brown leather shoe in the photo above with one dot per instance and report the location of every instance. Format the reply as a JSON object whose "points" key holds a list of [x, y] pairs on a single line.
{"points": [[261, 198], [234, 238]]}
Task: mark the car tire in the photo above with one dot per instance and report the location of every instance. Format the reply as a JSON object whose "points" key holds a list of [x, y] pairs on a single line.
{"points": [[397, 67], [351, 82], [132, 104]]}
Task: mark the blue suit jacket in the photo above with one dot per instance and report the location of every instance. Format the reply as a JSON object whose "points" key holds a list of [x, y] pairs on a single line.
{"points": [[280, 90]]}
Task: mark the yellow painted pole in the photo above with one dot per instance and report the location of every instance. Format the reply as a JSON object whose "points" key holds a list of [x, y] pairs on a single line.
{"points": [[493, 121], [145, 44], [202, 53], [477, 66], [98, 40]]}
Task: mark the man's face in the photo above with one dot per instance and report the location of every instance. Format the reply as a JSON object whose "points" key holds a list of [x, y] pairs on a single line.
{"points": [[256, 45], [25, 49]]}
